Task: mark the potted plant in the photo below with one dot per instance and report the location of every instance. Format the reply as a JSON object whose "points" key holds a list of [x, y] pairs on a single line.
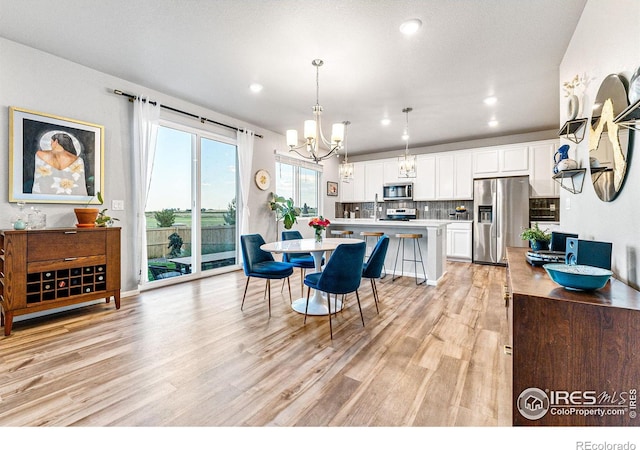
{"points": [[86, 216], [538, 238], [284, 209], [103, 220], [93, 217]]}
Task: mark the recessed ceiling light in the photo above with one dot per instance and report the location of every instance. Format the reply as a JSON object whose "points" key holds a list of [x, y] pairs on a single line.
{"points": [[490, 101], [410, 26], [493, 123], [255, 87], [386, 121]]}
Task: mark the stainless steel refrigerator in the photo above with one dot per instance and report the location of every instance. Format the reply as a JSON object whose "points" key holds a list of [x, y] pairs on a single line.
{"points": [[501, 212]]}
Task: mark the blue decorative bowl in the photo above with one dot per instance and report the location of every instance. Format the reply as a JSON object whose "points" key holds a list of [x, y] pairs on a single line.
{"points": [[578, 276]]}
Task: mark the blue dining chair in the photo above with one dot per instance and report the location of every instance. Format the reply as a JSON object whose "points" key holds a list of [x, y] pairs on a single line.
{"points": [[302, 260], [341, 275], [372, 269], [260, 264]]}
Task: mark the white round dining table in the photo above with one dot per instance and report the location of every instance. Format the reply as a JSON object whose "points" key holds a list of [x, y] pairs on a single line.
{"points": [[317, 302]]}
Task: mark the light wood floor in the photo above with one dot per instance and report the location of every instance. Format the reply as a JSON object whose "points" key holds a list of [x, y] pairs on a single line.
{"points": [[186, 355]]}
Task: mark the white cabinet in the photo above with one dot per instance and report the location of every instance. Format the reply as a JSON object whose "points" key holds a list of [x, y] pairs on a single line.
{"points": [[463, 182], [353, 191], [358, 181], [459, 241], [541, 170], [445, 177], [346, 190], [373, 176], [441, 176], [453, 176], [501, 161], [485, 162], [424, 185], [514, 160], [390, 169]]}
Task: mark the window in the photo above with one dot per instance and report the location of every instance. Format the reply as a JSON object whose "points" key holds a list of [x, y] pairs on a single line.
{"points": [[300, 181], [191, 206]]}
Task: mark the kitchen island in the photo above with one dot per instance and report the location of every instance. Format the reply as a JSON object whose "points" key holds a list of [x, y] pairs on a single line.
{"points": [[433, 244]]}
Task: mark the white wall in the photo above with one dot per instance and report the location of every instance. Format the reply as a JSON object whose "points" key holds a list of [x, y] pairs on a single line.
{"points": [[38, 81], [606, 41]]}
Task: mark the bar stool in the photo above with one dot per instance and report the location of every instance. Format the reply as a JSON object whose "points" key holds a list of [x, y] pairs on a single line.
{"points": [[342, 233], [377, 235], [402, 237]]}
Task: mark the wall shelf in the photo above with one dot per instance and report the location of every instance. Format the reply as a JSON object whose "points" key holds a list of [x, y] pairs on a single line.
{"points": [[571, 180], [596, 173], [629, 117], [574, 130]]}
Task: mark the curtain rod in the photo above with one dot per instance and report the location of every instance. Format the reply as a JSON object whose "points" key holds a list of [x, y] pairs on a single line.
{"points": [[132, 97]]}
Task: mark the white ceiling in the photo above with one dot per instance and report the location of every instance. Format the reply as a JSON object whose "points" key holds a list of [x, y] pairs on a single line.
{"points": [[209, 51]]}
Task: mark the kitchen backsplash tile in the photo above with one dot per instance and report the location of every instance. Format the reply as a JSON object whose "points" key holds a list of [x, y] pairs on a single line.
{"points": [[437, 210]]}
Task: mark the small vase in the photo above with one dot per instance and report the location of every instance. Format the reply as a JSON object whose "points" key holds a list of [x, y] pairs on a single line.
{"points": [[318, 235], [561, 154]]}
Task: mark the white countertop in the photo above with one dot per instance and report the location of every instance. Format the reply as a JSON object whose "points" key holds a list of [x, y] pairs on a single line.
{"points": [[414, 223]]}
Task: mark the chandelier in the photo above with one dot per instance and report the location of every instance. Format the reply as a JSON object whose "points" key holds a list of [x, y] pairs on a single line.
{"points": [[313, 131], [407, 162], [346, 168]]}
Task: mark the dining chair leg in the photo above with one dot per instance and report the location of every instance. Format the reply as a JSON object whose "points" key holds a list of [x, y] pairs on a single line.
{"points": [[245, 292], [269, 293], [329, 306], [360, 308], [375, 293], [303, 271], [289, 284], [306, 308]]}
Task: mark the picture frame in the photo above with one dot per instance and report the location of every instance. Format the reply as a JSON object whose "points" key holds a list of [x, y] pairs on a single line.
{"points": [[332, 188], [54, 159]]}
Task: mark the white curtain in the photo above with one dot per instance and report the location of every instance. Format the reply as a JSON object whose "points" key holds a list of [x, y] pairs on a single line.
{"points": [[245, 158], [146, 118]]}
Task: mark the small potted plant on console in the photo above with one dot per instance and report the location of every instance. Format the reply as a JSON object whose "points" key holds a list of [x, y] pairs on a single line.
{"points": [[538, 238]]}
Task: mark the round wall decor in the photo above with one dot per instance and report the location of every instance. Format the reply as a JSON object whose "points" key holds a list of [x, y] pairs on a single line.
{"points": [[263, 179]]}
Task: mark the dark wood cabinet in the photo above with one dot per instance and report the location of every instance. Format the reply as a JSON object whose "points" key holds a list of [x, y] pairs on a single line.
{"points": [[576, 354], [45, 269]]}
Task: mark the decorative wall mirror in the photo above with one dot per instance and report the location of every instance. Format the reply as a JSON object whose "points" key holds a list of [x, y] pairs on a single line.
{"points": [[609, 144]]}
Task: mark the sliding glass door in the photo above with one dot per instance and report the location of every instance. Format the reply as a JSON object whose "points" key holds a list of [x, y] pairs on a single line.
{"points": [[191, 208], [217, 203]]}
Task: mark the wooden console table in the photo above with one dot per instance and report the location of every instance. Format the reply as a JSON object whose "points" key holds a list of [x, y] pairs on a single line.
{"points": [[50, 268], [576, 354]]}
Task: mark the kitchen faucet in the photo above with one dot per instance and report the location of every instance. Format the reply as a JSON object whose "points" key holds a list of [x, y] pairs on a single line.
{"points": [[375, 208]]}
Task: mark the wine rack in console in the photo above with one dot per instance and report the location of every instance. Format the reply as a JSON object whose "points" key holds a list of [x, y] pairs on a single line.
{"points": [[45, 269]]}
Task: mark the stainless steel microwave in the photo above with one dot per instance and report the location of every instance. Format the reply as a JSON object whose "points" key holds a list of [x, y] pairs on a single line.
{"points": [[397, 191]]}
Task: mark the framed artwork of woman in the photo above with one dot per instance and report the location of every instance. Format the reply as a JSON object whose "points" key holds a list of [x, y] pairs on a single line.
{"points": [[54, 159]]}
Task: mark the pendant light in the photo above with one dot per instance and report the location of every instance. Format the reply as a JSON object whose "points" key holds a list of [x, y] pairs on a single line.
{"points": [[314, 138], [407, 162], [346, 168]]}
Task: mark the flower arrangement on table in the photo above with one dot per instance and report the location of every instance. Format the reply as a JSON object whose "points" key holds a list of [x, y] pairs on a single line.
{"points": [[319, 224]]}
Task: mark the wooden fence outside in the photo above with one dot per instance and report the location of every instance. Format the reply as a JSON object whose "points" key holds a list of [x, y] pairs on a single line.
{"points": [[214, 238]]}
